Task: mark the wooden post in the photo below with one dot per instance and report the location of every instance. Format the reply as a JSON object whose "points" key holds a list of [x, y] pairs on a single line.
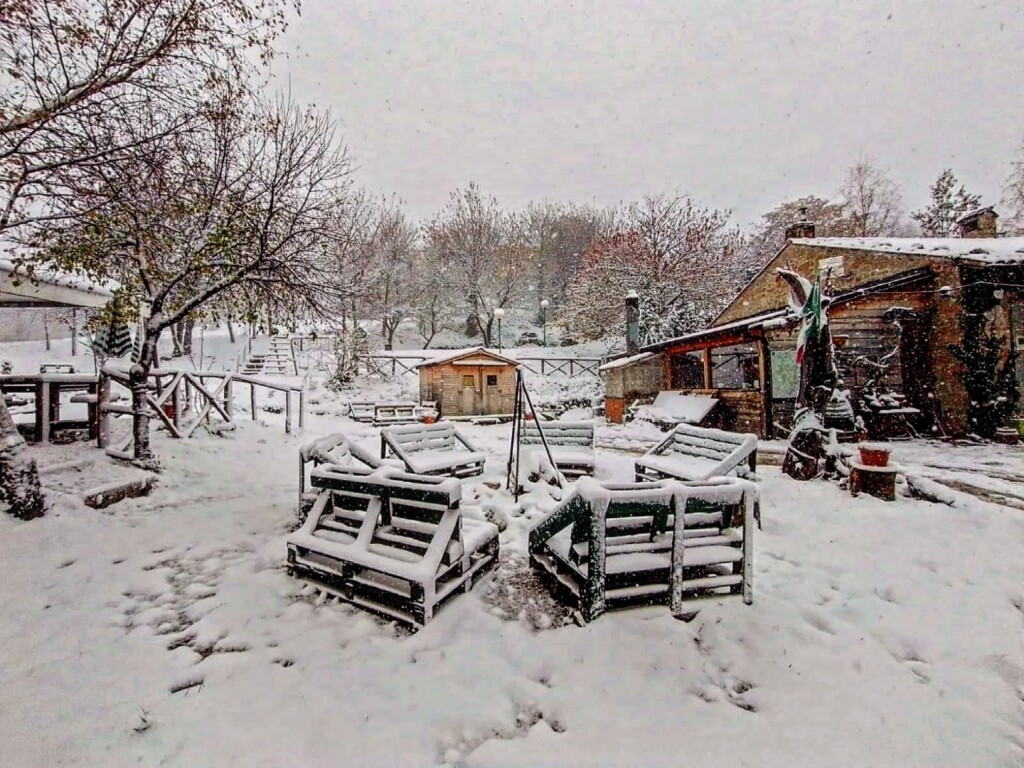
{"points": [[176, 401], [43, 411], [229, 395], [287, 411], [302, 408], [103, 416], [707, 368], [252, 400]]}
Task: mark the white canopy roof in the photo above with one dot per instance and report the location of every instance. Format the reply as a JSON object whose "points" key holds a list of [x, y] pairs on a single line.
{"points": [[50, 288]]}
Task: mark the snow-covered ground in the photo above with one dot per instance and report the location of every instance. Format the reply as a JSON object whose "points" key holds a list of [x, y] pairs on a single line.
{"points": [[165, 630]]}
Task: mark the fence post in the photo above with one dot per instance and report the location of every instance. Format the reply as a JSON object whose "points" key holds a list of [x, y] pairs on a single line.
{"points": [[302, 408], [102, 415], [252, 400], [229, 399], [287, 411]]}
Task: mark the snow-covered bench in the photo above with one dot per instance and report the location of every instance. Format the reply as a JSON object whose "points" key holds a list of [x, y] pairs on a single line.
{"points": [[613, 545], [571, 444], [432, 449], [695, 453], [395, 413], [390, 542]]}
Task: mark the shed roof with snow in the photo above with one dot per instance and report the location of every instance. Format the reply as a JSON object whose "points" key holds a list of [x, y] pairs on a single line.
{"points": [[471, 356]]}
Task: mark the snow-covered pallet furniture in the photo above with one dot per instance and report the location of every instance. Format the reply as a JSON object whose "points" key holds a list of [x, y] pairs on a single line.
{"points": [[361, 410], [395, 413], [696, 453], [613, 545], [338, 451], [390, 542], [432, 449], [571, 444]]}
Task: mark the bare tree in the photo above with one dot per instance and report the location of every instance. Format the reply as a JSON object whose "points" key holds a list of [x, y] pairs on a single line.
{"points": [[683, 260], [1013, 194], [245, 202], [73, 71], [559, 236], [768, 236], [392, 253], [872, 201], [485, 248]]}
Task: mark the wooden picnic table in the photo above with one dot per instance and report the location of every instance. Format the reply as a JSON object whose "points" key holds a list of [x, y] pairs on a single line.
{"points": [[47, 389]]}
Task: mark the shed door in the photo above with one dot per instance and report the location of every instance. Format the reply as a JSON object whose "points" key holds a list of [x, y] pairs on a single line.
{"points": [[468, 389], [492, 396]]}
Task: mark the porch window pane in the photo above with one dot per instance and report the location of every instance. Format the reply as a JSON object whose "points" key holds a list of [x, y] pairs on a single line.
{"points": [[785, 374], [734, 367]]}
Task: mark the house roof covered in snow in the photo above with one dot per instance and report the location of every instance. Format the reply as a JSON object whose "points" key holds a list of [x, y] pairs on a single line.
{"points": [[458, 354], [982, 250], [622, 362], [50, 288], [782, 316]]}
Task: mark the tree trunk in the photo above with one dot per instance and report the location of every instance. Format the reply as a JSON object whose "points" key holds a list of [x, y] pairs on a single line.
{"points": [[19, 477], [46, 330], [74, 332], [138, 376], [231, 331]]}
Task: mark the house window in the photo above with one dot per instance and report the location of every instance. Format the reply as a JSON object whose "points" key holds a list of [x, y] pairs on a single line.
{"points": [[467, 380], [492, 380], [688, 370], [734, 367]]}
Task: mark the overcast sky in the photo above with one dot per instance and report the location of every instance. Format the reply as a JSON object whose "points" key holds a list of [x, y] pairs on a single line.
{"points": [[740, 104]]}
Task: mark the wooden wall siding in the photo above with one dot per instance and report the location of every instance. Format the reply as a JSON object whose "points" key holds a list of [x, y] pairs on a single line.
{"points": [[443, 384]]}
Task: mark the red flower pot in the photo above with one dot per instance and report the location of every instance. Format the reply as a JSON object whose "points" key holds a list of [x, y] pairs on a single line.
{"points": [[430, 419], [872, 455]]}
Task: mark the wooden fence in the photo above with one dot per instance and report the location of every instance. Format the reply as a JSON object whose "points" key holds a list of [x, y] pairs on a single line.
{"points": [[183, 401]]}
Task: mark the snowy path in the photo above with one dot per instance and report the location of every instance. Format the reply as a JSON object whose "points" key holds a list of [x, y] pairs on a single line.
{"points": [[167, 632]]}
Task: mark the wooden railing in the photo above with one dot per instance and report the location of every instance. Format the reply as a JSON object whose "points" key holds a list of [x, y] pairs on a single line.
{"points": [[566, 366], [184, 400]]}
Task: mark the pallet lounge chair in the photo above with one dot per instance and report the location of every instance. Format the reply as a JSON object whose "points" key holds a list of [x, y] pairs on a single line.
{"points": [[336, 450], [571, 444], [432, 449], [607, 546], [696, 453], [395, 413], [361, 410], [390, 542]]}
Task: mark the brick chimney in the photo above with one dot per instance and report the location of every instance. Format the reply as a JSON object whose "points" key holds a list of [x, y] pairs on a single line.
{"points": [[800, 229], [978, 223], [632, 322]]}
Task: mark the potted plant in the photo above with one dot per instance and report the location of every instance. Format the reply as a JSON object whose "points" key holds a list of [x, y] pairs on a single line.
{"points": [[874, 454]]}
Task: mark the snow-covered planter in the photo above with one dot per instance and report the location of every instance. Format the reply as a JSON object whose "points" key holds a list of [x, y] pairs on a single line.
{"points": [[874, 454]]}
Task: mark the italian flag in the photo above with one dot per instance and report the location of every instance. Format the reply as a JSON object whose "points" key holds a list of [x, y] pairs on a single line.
{"points": [[814, 319]]}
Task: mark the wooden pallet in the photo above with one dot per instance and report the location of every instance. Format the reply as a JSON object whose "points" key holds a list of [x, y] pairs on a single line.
{"points": [[608, 546], [391, 542]]}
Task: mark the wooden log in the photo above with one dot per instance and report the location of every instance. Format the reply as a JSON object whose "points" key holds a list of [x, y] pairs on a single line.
{"points": [[105, 495]]}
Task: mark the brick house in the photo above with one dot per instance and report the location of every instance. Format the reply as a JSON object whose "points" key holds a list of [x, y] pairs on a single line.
{"points": [[895, 303]]}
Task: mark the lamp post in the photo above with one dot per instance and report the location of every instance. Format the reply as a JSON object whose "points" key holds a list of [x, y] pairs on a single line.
{"points": [[498, 314], [544, 318]]}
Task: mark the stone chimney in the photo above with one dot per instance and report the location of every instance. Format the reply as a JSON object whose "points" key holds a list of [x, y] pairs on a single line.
{"points": [[802, 228], [632, 322], [978, 223]]}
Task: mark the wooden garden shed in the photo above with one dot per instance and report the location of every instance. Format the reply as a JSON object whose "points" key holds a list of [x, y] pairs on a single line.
{"points": [[469, 382]]}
